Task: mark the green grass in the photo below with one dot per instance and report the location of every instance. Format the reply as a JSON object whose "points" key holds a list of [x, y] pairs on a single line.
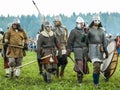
{"points": [[31, 80]]}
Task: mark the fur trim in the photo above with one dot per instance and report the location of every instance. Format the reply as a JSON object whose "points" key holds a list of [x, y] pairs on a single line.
{"points": [[47, 34]]}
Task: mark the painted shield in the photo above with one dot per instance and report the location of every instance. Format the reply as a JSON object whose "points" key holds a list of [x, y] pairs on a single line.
{"points": [[109, 65]]}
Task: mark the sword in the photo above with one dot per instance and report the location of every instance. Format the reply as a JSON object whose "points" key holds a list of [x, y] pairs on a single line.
{"points": [[77, 65]]}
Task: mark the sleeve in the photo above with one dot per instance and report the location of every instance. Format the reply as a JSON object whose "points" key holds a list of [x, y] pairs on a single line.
{"points": [[39, 43], [87, 39], [66, 34], [104, 42], [70, 40], [57, 43], [7, 36], [25, 37]]}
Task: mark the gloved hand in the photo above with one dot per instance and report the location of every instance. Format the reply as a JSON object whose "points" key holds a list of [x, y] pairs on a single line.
{"points": [[106, 53], [6, 44], [25, 47], [68, 52]]}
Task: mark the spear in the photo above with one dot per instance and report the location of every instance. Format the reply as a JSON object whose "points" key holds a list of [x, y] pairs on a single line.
{"points": [[27, 64], [43, 21], [36, 7]]}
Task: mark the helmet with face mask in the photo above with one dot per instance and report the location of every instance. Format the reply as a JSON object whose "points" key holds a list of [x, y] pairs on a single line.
{"points": [[16, 24], [47, 26], [57, 18], [57, 21], [96, 19], [79, 22]]}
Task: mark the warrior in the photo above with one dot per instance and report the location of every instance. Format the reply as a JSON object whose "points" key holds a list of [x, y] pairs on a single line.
{"points": [[46, 44], [96, 42], [76, 41], [61, 33], [16, 39]]}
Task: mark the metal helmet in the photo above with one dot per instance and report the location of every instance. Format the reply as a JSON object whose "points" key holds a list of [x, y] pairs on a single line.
{"points": [[57, 18], [17, 21], [1, 30], [79, 20], [47, 23], [96, 17]]}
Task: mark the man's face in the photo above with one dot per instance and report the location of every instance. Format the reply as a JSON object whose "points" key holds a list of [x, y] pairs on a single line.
{"points": [[80, 25], [96, 22], [47, 28], [56, 23], [15, 26]]}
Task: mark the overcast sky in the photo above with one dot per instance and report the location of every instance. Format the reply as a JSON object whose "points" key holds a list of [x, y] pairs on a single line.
{"points": [[55, 7]]}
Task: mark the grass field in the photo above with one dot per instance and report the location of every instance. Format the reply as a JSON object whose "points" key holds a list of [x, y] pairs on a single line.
{"points": [[31, 80]]}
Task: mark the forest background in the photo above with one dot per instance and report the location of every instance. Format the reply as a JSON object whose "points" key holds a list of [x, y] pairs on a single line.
{"points": [[32, 23]]}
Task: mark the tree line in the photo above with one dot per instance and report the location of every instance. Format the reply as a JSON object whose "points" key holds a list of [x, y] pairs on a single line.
{"points": [[32, 23]]}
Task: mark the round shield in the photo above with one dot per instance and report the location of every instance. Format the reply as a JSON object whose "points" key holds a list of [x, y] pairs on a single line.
{"points": [[106, 62]]}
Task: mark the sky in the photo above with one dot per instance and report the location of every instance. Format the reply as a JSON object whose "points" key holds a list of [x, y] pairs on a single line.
{"points": [[56, 7]]}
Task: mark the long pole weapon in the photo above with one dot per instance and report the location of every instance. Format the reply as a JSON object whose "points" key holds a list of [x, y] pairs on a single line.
{"points": [[27, 63], [43, 21], [43, 24], [36, 7]]}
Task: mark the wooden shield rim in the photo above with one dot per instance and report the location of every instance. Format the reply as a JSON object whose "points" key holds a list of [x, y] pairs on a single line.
{"points": [[115, 53]]}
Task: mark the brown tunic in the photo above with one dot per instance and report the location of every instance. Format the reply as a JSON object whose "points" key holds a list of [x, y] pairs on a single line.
{"points": [[16, 38]]}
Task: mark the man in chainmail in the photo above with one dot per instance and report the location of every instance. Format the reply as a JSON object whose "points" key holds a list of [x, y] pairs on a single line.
{"points": [[97, 45], [76, 40], [46, 44], [61, 33]]}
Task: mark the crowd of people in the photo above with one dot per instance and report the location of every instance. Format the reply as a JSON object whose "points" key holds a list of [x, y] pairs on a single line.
{"points": [[53, 45]]}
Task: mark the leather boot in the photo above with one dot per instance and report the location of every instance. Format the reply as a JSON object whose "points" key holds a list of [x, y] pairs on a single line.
{"points": [[57, 72], [49, 77], [40, 66], [62, 70], [79, 77], [107, 74], [44, 76]]}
